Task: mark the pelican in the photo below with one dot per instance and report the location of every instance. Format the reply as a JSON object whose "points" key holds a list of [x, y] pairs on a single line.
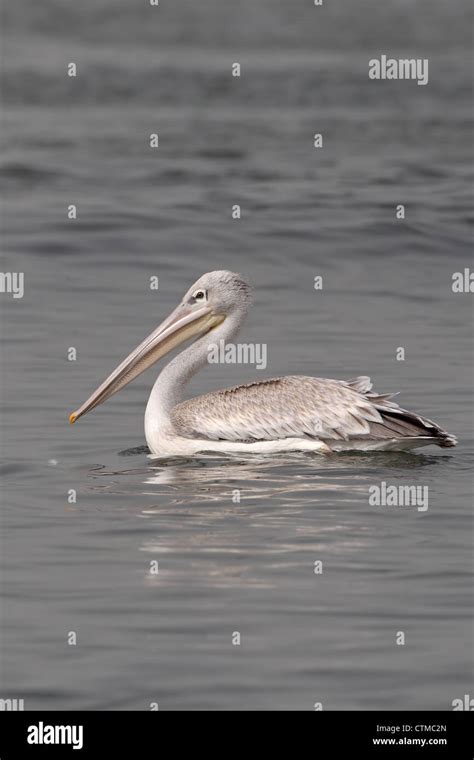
{"points": [[294, 413]]}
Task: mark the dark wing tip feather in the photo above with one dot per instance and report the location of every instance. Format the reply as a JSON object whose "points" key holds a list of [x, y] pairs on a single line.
{"points": [[447, 440], [410, 424]]}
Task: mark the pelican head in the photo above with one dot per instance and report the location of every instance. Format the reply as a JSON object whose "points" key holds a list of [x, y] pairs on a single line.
{"points": [[215, 297]]}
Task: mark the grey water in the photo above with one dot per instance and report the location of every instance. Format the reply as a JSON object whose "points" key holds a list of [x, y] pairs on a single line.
{"points": [[86, 515]]}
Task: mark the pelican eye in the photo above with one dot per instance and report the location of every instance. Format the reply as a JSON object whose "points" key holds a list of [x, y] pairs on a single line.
{"points": [[200, 295]]}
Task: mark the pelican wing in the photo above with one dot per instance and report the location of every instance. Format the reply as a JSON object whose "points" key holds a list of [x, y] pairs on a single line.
{"points": [[299, 407]]}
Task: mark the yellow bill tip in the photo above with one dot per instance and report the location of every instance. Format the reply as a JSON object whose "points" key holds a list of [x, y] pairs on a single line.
{"points": [[72, 418]]}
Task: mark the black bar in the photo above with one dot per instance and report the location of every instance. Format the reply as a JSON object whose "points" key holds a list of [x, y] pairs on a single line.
{"points": [[342, 734]]}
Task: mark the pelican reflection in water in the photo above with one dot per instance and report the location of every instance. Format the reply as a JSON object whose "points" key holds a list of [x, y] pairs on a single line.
{"points": [[293, 413]]}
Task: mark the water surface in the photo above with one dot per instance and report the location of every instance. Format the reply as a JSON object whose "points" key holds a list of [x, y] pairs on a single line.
{"points": [[225, 565]]}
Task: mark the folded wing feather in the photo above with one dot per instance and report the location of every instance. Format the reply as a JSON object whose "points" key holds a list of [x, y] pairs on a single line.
{"points": [[299, 407]]}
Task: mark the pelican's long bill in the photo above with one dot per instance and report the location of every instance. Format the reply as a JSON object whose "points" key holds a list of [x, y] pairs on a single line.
{"points": [[185, 322]]}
